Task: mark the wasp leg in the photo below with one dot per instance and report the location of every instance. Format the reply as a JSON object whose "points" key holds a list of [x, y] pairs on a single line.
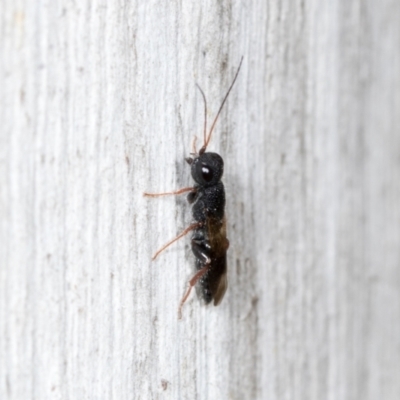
{"points": [[192, 196], [192, 283], [201, 250], [185, 232], [179, 191]]}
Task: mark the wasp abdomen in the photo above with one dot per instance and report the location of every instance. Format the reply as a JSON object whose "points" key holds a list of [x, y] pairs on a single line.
{"points": [[213, 284]]}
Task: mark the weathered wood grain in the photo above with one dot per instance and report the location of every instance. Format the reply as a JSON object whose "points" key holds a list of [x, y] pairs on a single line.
{"points": [[99, 104]]}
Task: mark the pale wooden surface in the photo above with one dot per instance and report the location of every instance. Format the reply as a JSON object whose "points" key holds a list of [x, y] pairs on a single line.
{"points": [[99, 104]]}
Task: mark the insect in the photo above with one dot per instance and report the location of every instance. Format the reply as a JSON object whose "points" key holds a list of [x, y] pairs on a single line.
{"points": [[207, 197]]}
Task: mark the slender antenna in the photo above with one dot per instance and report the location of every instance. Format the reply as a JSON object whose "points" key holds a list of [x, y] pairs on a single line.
{"points": [[205, 111], [206, 141]]}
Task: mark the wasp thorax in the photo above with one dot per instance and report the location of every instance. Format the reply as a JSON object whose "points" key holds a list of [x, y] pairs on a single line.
{"points": [[207, 169]]}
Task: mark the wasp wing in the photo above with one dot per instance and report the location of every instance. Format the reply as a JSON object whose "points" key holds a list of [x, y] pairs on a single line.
{"points": [[221, 289], [217, 281]]}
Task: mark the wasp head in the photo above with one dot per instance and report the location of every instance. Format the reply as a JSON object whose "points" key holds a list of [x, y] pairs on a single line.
{"points": [[207, 168]]}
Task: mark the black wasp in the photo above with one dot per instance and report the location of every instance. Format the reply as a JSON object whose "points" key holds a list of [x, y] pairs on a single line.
{"points": [[207, 197]]}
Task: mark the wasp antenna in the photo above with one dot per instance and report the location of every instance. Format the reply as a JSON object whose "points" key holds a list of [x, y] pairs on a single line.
{"points": [[206, 141], [205, 111], [194, 151]]}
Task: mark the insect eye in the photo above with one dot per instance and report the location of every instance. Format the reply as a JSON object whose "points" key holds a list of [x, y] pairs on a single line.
{"points": [[206, 173]]}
